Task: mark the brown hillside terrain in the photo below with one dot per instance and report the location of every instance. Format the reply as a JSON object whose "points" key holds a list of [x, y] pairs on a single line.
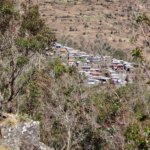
{"points": [[111, 20]]}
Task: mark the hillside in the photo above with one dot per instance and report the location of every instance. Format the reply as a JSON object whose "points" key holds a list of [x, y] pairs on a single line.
{"points": [[61, 66], [113, 21]]}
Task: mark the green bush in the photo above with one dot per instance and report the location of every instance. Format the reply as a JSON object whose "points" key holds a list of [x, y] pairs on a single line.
{"points": [[21, 61], [57, 67], [6, 14], [108, 106], [133, 134]]}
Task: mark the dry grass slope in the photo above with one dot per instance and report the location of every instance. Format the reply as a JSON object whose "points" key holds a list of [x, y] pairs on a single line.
{"points": [[3, 147], [110, 20]]}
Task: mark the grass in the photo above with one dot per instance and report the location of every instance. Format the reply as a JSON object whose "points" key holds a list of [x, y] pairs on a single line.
{"points": [[3, 147], [11, 120]]}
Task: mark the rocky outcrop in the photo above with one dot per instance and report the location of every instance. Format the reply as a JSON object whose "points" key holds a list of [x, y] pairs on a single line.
{"points": [[21, 136]]}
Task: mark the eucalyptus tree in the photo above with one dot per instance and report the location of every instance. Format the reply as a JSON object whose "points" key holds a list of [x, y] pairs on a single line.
{"points": [[23, 39]]}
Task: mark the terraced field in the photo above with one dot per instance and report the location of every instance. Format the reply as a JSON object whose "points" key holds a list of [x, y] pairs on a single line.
{"points": [[83, 21], [80, 23]]}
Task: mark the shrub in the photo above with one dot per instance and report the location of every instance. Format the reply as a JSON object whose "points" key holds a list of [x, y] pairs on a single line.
{"points": [[108, 106], [133, 134], [57, 67]]}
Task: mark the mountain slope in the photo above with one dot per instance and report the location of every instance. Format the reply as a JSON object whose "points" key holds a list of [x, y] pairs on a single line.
{"points": [[113, 21]]}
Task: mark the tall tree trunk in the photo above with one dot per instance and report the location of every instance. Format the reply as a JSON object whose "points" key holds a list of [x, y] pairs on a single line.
{"points": [[1, 106], [11, 86], [69, 139]]}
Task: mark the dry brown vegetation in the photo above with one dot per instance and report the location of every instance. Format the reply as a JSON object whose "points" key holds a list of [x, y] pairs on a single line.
{"points": [[72, 115], [113, 21]]}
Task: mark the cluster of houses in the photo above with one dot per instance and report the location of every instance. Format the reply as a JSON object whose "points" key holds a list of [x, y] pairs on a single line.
{"points": [[97, 69]]}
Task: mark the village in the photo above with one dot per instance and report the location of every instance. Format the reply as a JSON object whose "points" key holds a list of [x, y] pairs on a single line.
{"points": [[97, 69]]}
